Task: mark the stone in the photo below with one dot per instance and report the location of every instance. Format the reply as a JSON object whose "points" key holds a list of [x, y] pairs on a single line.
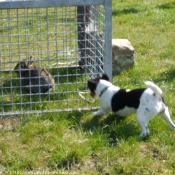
{"points": [[122, 55]]}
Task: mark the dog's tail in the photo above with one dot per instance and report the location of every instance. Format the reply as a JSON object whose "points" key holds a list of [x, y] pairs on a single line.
{"points": [[158, 92]]}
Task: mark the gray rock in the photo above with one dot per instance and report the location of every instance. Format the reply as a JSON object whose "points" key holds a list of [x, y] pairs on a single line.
{"points": [[122, 55]]}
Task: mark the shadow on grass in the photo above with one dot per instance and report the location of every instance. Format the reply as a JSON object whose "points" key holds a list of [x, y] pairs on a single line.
{"points": [[167, 76], [124, 11], [170, 5], [114, 126], [115, 12]]}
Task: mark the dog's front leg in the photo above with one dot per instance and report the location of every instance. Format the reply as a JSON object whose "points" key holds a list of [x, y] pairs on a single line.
{"points": [[99, 112]]}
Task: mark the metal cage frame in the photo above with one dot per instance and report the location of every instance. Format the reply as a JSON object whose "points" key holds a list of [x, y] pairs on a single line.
{"points": [[86, 42]]}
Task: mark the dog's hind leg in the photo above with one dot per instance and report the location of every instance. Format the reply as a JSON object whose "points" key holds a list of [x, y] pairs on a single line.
{"points": [[143, 119], [166, 116], [144, 126], [145, 130]]}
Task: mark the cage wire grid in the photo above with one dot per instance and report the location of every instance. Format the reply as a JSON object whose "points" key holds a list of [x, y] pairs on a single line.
{"points": [[66, 41]]}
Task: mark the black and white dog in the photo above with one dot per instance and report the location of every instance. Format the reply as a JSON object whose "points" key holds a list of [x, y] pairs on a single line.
{"points": [[146, 102]]}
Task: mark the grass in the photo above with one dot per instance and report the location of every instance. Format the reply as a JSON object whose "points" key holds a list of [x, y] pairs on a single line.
{"points": [[76, 142]]}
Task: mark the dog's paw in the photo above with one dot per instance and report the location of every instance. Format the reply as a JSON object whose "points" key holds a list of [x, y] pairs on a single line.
{"points": [[143, 135]]}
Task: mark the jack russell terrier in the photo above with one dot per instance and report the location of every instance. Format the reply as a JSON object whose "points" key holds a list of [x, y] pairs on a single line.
{"points": [[146, 102]]}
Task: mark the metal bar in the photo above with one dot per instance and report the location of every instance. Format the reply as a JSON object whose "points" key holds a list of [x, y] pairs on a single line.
{"points": [[48, 3], [108, 38], [16, 114]]}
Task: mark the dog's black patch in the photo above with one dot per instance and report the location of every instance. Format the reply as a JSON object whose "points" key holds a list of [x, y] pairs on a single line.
{"points": [[92, 84], [123, 98], [105, 77]]}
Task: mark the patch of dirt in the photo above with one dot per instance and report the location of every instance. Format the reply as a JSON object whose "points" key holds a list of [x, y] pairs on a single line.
{"points": [[93, 164], [9, 123]]}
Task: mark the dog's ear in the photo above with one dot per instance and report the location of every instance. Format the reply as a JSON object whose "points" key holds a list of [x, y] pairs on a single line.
{"points": [[105, 77], [92, 85]]}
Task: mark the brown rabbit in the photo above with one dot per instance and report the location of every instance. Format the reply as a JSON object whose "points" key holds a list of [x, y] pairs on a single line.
{"points": [[34, 79]]}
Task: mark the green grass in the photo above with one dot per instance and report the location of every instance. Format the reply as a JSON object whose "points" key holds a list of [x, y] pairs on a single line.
{"points": [[78, 143]]}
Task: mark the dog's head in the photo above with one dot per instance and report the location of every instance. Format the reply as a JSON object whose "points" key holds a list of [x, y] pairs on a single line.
{"points": [[92, 84]]}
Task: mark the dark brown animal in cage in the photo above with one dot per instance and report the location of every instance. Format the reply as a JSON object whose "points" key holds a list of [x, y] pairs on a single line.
{"points": [[33, 78]]}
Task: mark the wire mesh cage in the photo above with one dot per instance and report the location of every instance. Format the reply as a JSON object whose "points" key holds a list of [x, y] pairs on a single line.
{"points": [[48, 51]]}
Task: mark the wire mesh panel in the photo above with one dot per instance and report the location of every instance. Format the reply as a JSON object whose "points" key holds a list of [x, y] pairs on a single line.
{"points": [[48, 51]]}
